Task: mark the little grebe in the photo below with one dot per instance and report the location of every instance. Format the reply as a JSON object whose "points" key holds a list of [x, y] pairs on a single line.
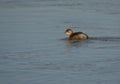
{"points": [[76, 35]]}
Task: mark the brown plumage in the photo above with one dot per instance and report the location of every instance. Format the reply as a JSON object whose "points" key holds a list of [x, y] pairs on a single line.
{"points": [[76, 35]]}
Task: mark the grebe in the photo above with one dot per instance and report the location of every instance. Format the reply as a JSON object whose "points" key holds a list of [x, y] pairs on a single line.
{"points": [[76, 35]]}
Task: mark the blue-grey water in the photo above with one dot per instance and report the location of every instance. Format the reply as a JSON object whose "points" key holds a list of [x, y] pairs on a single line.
{"points": [[34, 48]]}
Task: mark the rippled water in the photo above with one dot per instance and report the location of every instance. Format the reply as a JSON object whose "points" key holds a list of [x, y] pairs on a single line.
{"points": [[35, 50]]}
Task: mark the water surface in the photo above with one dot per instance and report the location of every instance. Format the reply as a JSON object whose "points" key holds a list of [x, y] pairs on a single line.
{"points": [[34, 49]]}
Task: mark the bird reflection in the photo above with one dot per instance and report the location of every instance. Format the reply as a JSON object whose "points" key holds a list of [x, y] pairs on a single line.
{"points": [[77, 43]]}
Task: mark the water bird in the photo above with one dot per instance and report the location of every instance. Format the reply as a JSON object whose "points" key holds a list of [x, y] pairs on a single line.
{"points": [[76, 35]]}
